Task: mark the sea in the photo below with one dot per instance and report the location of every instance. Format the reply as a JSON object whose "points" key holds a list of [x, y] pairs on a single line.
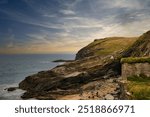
{"points": [[14, 69]]}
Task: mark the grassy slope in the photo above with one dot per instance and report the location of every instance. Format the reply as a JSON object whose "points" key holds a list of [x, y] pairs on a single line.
{"points": [[135, 60], [111, 45], [139, 86]]}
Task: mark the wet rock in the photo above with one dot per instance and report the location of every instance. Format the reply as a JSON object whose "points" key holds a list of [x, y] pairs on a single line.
{"points": [[11, 89]]}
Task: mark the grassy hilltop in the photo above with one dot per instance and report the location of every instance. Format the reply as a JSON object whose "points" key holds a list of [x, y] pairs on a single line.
{"points": [[106, 46]]}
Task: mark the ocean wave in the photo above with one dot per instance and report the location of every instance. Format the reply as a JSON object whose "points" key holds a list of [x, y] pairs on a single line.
{"points": [[13, 95]]}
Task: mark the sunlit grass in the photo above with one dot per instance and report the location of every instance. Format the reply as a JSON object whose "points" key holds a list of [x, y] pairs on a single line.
{"points": [[135, 60], [111, 45], [139, 87]]}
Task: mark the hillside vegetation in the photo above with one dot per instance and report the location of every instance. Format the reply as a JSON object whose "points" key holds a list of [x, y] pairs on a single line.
{"points": [[106, 46], [139, 87], [135, 60]]}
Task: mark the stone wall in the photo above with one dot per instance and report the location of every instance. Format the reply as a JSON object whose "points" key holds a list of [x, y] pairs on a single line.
{"points": [[130, 69]]}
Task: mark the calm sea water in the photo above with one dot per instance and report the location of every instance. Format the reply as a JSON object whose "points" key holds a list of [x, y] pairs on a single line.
{"points": [[14, 68]]}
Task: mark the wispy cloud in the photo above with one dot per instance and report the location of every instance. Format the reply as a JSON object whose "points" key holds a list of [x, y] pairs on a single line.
{"points": [[134, 4], [67, 12], [68, 25]]}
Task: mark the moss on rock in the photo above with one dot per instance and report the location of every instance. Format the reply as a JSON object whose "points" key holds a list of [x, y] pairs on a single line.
{"points": [[131, 60]]}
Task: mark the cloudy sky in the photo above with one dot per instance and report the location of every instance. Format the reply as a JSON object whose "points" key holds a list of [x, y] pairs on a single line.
{"points": [[65, 26]]}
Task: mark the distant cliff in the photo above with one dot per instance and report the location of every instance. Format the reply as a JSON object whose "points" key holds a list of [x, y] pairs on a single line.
{"points": [[106, 46]]}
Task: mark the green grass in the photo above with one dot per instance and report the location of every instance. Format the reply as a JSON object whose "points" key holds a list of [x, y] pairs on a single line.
{"points": [[110, 45], [131, 60], [140, 78], [139, 87], [142, 94]]}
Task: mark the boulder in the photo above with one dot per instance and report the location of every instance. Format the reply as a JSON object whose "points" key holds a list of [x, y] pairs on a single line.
{"points": [[109, 97], [12, 88]]}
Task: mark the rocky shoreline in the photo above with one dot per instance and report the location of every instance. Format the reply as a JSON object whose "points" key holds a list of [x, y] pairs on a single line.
{"points": [[97, 90], [90, 76]]}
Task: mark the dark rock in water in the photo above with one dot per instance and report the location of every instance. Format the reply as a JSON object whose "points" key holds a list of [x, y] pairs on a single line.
{"points": [[12, 88], [61, 60]]}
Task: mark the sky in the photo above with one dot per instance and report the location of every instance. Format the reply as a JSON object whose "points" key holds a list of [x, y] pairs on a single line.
{"points": [[65, 26]]}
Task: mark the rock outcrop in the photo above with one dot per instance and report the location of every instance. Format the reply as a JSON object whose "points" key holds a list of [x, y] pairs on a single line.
{"points": [[68, 77], [97, 62], [140, 48]]}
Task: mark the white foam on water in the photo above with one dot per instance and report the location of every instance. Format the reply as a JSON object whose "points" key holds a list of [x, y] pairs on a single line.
{"points": [[10, 95]]}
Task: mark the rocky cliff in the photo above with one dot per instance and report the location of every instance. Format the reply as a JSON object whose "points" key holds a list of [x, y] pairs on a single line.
{"points": [[92, 75], [140, 48]]}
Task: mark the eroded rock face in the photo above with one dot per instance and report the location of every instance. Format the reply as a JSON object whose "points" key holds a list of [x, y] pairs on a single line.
{"points": [[70, 76], [140, 48], [94, 90], [135, 69]]}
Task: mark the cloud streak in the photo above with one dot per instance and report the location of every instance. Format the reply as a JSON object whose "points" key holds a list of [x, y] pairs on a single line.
{"points": [[51, 26]]}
